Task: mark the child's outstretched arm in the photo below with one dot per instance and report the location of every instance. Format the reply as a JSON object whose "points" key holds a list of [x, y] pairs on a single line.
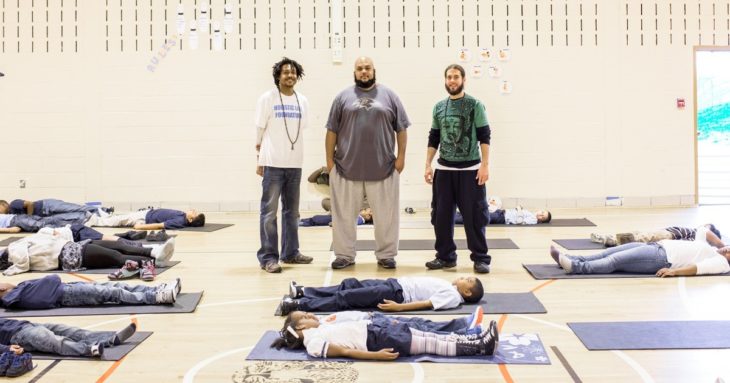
{"points": [[335, 351], [389, 305]]}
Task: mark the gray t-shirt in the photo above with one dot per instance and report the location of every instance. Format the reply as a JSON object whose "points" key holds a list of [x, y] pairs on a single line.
{"points": [[366, 123]]}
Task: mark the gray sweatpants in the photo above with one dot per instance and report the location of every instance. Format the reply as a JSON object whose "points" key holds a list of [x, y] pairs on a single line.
{"points": [[347, 197]]}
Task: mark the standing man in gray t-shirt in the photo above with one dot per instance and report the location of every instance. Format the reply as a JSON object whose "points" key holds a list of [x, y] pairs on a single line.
{"points": [[365, 122]]}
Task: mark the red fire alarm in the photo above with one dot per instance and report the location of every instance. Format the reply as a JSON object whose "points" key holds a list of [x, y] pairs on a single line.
{"points": [[680, 103]]}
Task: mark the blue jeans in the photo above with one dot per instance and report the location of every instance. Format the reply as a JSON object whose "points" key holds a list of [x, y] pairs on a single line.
{"points": [[95, 294], [457, 326], [60, 339], [56, 206], [278, 182], [33, 223], [632, 258]]}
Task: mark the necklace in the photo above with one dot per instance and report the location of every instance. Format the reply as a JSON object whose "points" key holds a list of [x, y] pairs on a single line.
{"points": [[286, 126]]}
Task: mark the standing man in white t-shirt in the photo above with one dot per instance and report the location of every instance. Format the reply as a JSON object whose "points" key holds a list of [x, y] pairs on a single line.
{"points": [[281, 117]]}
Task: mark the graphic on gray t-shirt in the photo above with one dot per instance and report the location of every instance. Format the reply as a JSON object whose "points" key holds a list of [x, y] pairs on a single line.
{"points": [[365, 123]]}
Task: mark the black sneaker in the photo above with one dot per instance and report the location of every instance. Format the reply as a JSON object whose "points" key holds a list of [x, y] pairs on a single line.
{"points": [[437, 264], [286, 306], [388, 263], [271, 267], [481, 267], [109, 210], [341, 263], [295, 291], [298, 259], [160, 236]]}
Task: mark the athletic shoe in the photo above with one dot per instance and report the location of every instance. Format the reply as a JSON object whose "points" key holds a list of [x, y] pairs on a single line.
{"points": [[286, 306], [6, 359], [148, 272], [598, 238], [129, 270], [565, 263], [97, 349], [388, 263], [341, 263], [165, 294], [271, 267], [481, 267], [21, 364], [298, 259], [295, 291], [475, 319], [159, 236], [491, 339], [437, 264], [163, 253]]}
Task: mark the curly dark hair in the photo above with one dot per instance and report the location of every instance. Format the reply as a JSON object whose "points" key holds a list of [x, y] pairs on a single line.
{"points": [[276, 69]]}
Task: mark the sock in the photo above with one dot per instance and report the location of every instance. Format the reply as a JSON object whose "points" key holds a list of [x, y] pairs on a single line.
{"points": [[431, 343], [124, 334]]}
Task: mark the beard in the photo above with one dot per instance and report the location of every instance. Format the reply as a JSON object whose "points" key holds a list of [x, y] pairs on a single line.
{"points": [[454, 92], [365, 84]]}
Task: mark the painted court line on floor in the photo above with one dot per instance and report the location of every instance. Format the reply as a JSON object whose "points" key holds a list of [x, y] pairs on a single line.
{"points": [[567, 366]]}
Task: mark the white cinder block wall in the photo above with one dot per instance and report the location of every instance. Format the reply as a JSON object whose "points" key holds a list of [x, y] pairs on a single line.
{"points": [[94, 107]]}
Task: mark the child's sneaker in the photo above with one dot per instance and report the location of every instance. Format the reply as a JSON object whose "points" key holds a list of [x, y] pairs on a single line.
{"points": [[97, 349], [148, 272], [476, 317], [165, 294], [129, 270], [6, 359], [295, 291], [21, 364]]}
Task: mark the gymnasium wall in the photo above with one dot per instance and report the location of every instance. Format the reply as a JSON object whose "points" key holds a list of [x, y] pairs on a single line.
{"points": [[103, 101]]}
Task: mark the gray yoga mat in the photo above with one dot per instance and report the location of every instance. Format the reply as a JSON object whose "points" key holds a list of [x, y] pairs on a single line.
{"points": [[579, 244], [186, 303], [111, 354], [527, 349], [661, 335], [427, 244], [208, 227], [493, 303], [556, 222], [7, 241], [159, 270], [552, 271]]}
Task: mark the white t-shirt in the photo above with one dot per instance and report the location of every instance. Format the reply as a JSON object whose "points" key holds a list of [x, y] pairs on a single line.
{"points": [[343, 316], [276, 145], [519, 217], [441, 293], [352, 335], [698, 252]]}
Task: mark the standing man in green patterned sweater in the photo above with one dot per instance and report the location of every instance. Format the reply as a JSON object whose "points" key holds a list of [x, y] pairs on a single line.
{"points": [[461, 134]]}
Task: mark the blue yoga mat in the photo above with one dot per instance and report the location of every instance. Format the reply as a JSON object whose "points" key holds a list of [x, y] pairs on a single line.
{"points": [[663, 335], [513, 349]]}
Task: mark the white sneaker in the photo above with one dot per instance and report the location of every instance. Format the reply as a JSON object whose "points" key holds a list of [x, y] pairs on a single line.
{"points": [[565, 263], [163, 253], [165, 294]]}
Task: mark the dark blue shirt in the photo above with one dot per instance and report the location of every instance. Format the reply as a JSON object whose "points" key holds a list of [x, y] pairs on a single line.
{"points": [[44, 293], [173, 219], [16, 207], [10, 327]]}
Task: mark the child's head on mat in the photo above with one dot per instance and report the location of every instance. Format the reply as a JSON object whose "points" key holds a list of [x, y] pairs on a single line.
{"points": [[291, 335], [4, 207], [194, 218], [470, 288], [543, 216]]}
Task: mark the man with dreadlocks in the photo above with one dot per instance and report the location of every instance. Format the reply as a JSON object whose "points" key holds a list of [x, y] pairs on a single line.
{"points": [[281, 115]]}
